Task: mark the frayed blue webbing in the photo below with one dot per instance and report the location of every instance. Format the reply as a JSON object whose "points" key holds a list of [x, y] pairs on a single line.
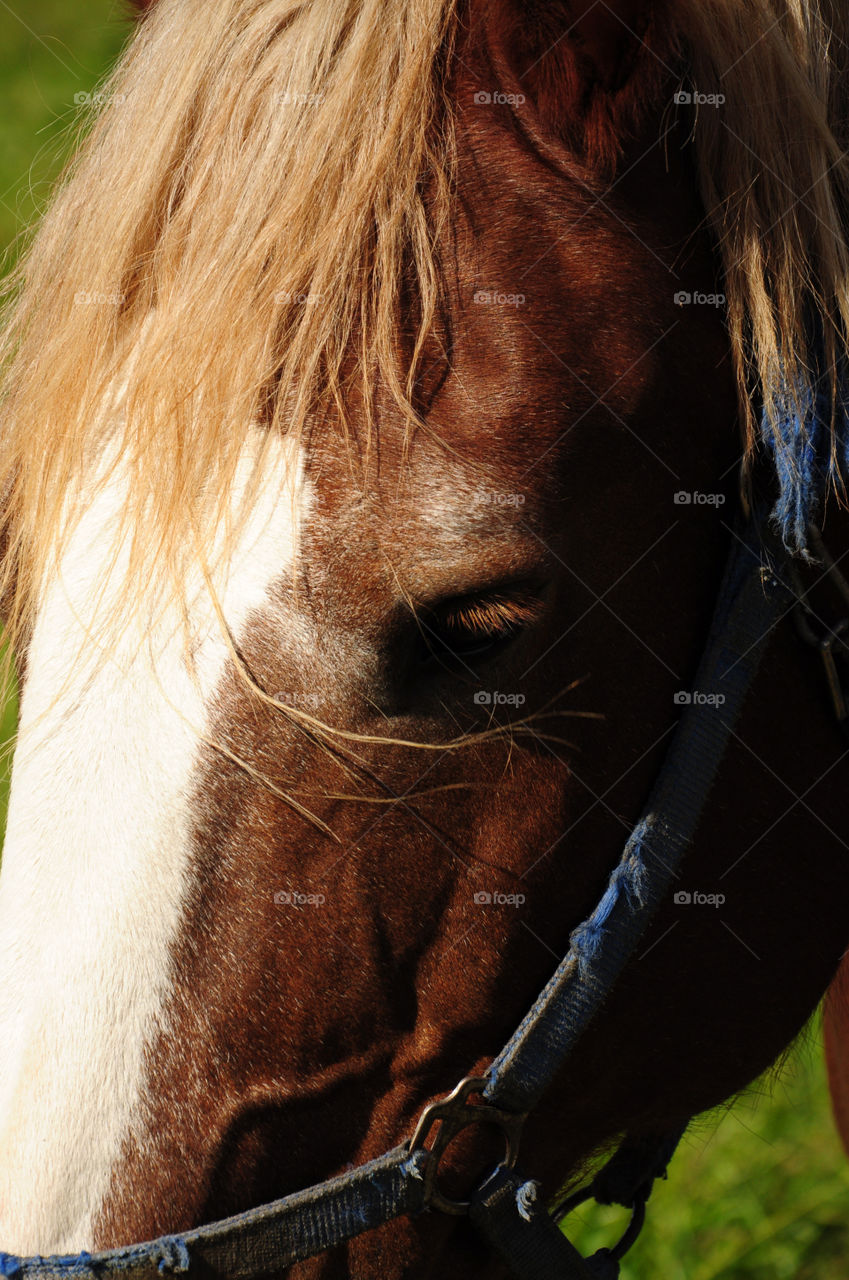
{"points": [[526, 1197], [630, 876], [806, 454], [77, 1265]]}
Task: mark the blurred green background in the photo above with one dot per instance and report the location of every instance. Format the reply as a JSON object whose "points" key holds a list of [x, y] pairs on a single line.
{"points": [[50, 51], [759, 1191]]}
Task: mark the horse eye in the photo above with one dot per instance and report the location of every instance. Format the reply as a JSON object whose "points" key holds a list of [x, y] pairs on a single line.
{"points": [[475, 628], [451, 640]]}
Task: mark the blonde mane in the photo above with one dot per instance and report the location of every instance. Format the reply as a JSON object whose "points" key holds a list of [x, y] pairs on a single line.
{"points": [[266, 178], [774, 179]]}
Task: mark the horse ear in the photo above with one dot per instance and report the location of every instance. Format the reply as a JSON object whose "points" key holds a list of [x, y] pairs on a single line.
{"points": [[591, 67]]}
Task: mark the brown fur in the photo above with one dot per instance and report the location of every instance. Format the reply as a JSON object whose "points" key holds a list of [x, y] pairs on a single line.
{"points": [[258, 168], [322, 1032], [301, 1040]]}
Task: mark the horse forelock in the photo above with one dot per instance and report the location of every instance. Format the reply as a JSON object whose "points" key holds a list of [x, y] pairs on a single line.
{"points": [[208, 146]]}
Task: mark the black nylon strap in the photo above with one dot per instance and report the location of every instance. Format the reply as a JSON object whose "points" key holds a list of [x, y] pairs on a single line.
{"points": [[262, 1241], [520, 1231]]}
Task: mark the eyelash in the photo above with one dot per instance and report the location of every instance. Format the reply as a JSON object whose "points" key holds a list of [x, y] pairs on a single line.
{"points": [[493, 617], [477, 627]]}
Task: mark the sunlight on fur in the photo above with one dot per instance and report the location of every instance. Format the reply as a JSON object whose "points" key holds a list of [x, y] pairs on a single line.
{"points": [[307, 152]]}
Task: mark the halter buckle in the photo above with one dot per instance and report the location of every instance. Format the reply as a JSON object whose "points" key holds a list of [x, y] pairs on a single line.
{"points": [[452, 1114]]}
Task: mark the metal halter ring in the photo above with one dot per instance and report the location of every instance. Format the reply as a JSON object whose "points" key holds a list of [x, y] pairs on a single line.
{"points": [[453, 1114], [635, 1224]]}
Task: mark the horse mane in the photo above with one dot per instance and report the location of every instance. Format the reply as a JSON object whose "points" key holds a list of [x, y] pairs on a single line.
{"points": [[774, 180], [244, 209], [263, 183]]}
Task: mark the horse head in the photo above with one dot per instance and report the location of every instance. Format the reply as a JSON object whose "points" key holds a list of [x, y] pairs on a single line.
{"points": [[372, 558]]}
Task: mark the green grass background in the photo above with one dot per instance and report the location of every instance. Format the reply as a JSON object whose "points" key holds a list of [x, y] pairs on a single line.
{"points": [[759, 1191]]}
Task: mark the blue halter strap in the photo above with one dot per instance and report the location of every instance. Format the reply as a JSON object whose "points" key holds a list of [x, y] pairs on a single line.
{"points": [[751, 598]]}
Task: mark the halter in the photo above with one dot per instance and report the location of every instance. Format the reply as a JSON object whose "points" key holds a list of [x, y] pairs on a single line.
{"points": [[759, 587]]}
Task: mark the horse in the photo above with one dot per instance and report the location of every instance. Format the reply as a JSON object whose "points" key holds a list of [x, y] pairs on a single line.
{"points": [[378, 393]]}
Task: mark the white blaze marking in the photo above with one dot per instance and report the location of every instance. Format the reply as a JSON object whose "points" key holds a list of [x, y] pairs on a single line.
{"points": [[96, 862]]}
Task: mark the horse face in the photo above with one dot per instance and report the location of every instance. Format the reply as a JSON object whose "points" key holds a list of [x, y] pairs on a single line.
{"points": [[299, 879]]}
